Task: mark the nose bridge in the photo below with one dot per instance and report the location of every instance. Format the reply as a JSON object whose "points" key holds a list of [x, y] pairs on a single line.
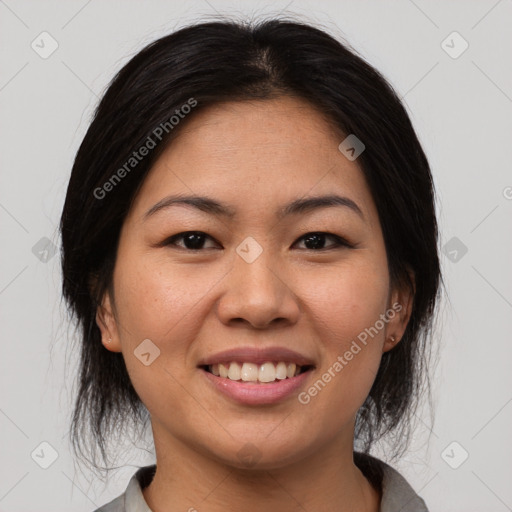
{"points": [[256, 292], [259, 276]]}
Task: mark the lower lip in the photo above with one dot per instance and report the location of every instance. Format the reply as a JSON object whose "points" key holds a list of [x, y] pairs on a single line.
{"points": [[257, 394]]}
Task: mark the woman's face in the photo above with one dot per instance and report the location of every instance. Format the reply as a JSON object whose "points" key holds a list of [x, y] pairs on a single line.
{"points": [[253, 284]]}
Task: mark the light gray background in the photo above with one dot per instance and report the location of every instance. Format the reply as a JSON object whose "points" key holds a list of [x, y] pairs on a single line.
{"points": [[462, 110]]}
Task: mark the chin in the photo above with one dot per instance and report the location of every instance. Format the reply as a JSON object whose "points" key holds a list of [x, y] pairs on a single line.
{"points": [[260, 453]]}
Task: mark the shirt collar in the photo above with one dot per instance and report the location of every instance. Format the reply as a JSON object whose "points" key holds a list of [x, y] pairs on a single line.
{"points": [[134, 499]]}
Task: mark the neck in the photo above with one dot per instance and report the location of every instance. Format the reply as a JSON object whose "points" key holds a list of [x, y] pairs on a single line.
{"points": [[326, 480]]}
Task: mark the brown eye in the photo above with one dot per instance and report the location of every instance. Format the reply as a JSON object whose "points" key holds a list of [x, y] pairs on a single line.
{"points": [[316, 241], [192, 240]]}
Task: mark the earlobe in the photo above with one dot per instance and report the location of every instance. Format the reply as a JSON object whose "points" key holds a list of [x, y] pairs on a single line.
{"points": [[402, 304], [391, 342], [106, 322]]}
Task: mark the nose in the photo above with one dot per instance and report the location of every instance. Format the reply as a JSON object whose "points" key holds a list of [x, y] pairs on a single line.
{"points": [[258, 295]]}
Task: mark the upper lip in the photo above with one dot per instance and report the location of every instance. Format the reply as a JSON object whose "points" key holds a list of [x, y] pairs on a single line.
{"points": [[257, 355]]}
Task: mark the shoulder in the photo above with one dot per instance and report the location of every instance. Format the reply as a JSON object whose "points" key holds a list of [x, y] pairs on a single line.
{"points": [[116, 505], [397, 494], [132, 499]]}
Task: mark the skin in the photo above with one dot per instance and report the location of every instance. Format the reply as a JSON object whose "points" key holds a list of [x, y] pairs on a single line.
{"points": [[255, 157]]}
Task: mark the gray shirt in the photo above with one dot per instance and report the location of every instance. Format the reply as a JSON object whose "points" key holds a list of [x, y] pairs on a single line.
{"points": [[397, 494]]}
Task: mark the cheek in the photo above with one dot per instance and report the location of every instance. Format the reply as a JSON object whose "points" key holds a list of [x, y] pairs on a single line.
{"points": [[161, 304], [347, 309], [349, 300], [153, 300]]}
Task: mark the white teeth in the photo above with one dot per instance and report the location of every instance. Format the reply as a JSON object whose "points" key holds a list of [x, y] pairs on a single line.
{"points": [[223, 371], [250, 372], [234, 372], [281, 371], [267, 372]]}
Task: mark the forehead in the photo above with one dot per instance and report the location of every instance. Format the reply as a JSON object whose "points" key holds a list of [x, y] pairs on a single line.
{"points": [[282, 130], [254, 154]]}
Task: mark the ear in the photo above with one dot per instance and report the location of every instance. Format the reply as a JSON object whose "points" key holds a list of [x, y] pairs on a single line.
{"points": [[399, 312], [107, 324]]}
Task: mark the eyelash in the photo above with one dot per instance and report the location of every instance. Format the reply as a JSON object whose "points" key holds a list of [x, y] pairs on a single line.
{"points": [[339, 241]]}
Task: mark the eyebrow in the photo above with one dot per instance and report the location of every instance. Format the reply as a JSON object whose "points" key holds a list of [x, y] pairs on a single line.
{"points": [[213, 207]]}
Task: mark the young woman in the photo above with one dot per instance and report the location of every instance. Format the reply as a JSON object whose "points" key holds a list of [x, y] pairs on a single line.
{"points": [[250, 251]]}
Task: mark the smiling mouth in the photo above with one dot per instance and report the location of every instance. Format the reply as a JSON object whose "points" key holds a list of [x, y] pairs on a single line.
{"points": [[266, 373]]}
